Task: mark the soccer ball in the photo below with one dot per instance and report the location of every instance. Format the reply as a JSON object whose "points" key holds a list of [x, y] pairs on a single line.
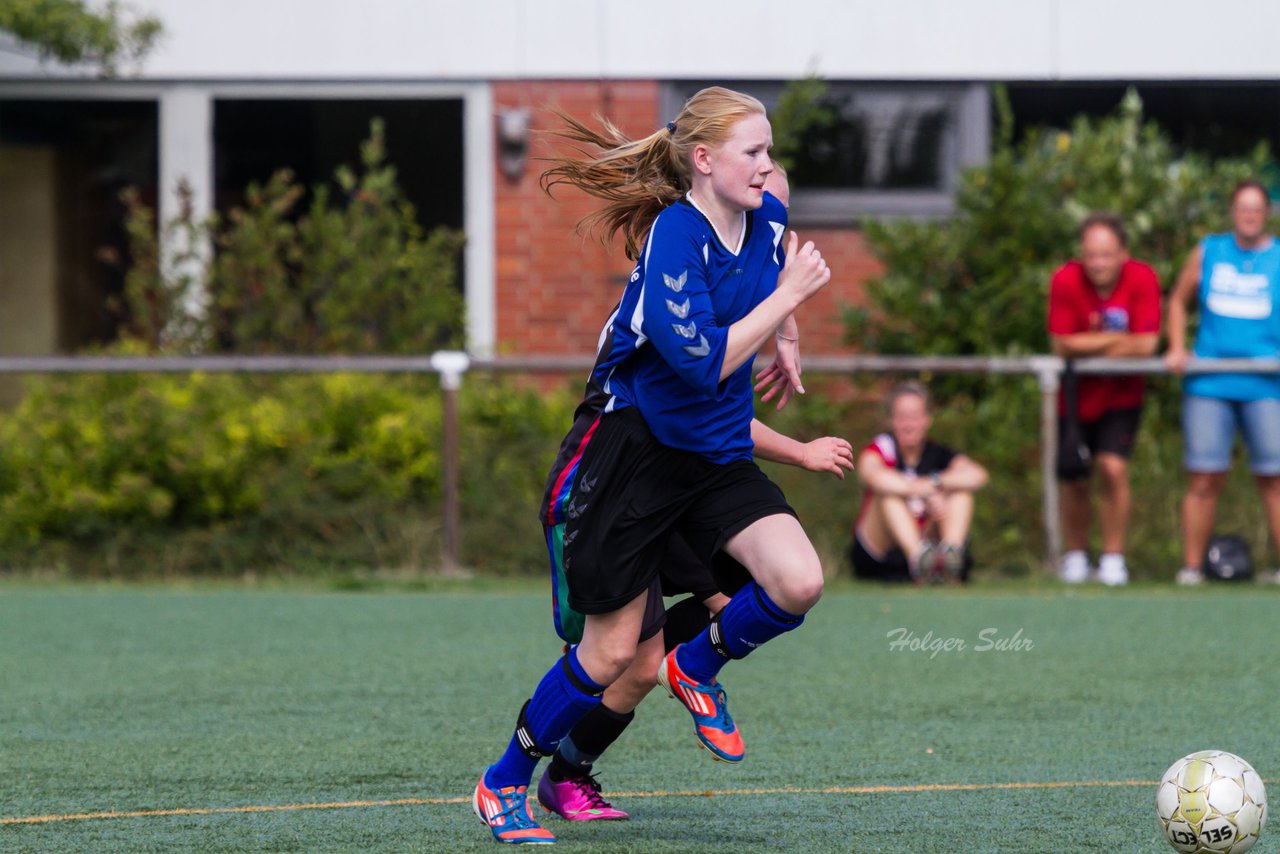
{"points": [[1210, 802]]}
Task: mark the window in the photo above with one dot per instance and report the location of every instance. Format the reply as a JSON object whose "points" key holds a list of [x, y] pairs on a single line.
{"points": [[314, 136], [890, 150], [63, 165], [1215, 118]]}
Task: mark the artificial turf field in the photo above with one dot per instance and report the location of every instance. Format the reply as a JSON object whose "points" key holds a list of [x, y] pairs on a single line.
{"points": [[293, 719]]}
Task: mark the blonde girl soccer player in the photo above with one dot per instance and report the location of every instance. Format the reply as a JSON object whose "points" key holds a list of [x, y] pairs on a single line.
{"points": [[671, 451]]}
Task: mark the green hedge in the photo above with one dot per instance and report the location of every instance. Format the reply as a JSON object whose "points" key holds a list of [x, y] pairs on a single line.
{"points": [[144, 476], [136, 475], [999, 426]]}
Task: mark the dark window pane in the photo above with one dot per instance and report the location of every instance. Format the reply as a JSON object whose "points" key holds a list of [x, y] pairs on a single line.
{"points": [[253, 139], [1220, 119], [880, 137], [877, 142]]}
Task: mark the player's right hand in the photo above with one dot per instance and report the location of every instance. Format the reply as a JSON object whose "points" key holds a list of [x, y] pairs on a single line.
{"points": [[806, 271]]}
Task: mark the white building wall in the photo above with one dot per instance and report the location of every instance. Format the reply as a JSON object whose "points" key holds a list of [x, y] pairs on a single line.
{"points": [[839, 39]]}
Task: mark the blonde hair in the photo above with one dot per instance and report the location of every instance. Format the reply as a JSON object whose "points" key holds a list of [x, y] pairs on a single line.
{"points": [[639, 178]]}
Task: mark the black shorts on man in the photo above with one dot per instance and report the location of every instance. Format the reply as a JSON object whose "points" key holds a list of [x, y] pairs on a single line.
{"points": [[1112, 433]]}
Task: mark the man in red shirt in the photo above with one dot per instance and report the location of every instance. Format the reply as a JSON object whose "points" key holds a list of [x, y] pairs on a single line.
{"points": [[1104, 304]]}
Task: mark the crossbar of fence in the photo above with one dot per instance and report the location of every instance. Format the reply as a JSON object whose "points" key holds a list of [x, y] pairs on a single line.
{"points": [[451, 366]]}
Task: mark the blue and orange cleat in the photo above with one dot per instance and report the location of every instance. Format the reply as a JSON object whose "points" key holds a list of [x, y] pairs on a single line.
{"points": [[715, 730], [506, 812]]}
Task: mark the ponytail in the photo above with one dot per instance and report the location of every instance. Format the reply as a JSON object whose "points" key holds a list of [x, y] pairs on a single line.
{"points": [[637, 179]]}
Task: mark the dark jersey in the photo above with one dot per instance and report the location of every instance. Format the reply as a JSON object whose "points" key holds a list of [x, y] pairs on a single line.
{"points": [[594, 399], [667, 347], [934, 459]]}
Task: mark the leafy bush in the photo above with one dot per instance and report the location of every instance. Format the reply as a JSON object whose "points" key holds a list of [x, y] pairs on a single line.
{"points": [[978, 283], [350, 274], [135, 475]]}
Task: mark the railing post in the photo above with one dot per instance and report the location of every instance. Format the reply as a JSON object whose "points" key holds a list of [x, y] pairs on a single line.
{"points": [[451, 365], [1048, 371]]}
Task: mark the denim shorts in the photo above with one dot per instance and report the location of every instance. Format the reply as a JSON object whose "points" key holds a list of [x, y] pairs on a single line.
{"points": [[1209, 427]]}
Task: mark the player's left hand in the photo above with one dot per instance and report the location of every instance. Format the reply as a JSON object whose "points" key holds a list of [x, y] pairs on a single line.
{"points": [[781, 378], [830, 453]]}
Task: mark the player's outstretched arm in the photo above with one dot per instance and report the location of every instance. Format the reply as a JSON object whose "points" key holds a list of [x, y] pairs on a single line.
{"points": [[829, 453]]}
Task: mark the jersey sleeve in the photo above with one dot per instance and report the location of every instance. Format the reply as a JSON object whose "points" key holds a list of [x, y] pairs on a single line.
{"points": [[678, 317], [883, 447], [1062, 315], [1145, 316]]}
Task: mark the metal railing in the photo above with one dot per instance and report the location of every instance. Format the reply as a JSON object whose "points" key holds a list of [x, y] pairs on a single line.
{"points": [[452, 366]]}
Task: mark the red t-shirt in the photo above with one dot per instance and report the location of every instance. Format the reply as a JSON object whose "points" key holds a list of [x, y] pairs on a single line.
{"points": [[1132, 306]]}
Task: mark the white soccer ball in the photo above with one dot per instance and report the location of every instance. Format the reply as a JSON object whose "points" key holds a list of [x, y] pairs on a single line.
{"points": [[1211, 802]]}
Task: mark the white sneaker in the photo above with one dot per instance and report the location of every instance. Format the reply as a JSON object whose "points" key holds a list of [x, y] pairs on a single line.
{"points": [[1112, 570], [1190, 576], [1075, 568]]}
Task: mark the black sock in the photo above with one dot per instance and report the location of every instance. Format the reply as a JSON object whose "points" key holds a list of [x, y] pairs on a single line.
{"points": [[590, 737], [685, 621]]}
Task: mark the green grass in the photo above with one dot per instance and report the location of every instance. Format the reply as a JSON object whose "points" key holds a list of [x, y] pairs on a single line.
{"points": [[122, 699]]}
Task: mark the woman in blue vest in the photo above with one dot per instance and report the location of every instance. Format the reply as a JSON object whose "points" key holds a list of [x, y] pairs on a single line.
{"points": [[1234, 280]]}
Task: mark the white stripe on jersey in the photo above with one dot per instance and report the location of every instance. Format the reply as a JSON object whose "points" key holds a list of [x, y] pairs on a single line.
{"points": [[607, 331], [888, 448], [742, 229], [778, 229], [637, 316]]}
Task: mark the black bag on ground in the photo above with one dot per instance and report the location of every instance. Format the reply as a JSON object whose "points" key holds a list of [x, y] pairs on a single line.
{"points": [[1074, 459], [1227, 559]]}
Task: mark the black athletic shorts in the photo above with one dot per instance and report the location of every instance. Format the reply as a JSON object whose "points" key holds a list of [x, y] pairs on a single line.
{"points": [[680, 573], [891, 566], [631, 493], [683, 572], [1113, 433]]}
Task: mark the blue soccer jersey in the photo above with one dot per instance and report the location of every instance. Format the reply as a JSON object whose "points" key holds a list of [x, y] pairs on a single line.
{"points": [[672, 327], [1239, 316]]}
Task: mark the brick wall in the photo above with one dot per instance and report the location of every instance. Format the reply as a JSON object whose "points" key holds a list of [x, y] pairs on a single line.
{"points": [[554, 287]]}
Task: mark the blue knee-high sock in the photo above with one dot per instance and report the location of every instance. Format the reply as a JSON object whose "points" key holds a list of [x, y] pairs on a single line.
{"points": [[563, 696], [750, 619]]}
